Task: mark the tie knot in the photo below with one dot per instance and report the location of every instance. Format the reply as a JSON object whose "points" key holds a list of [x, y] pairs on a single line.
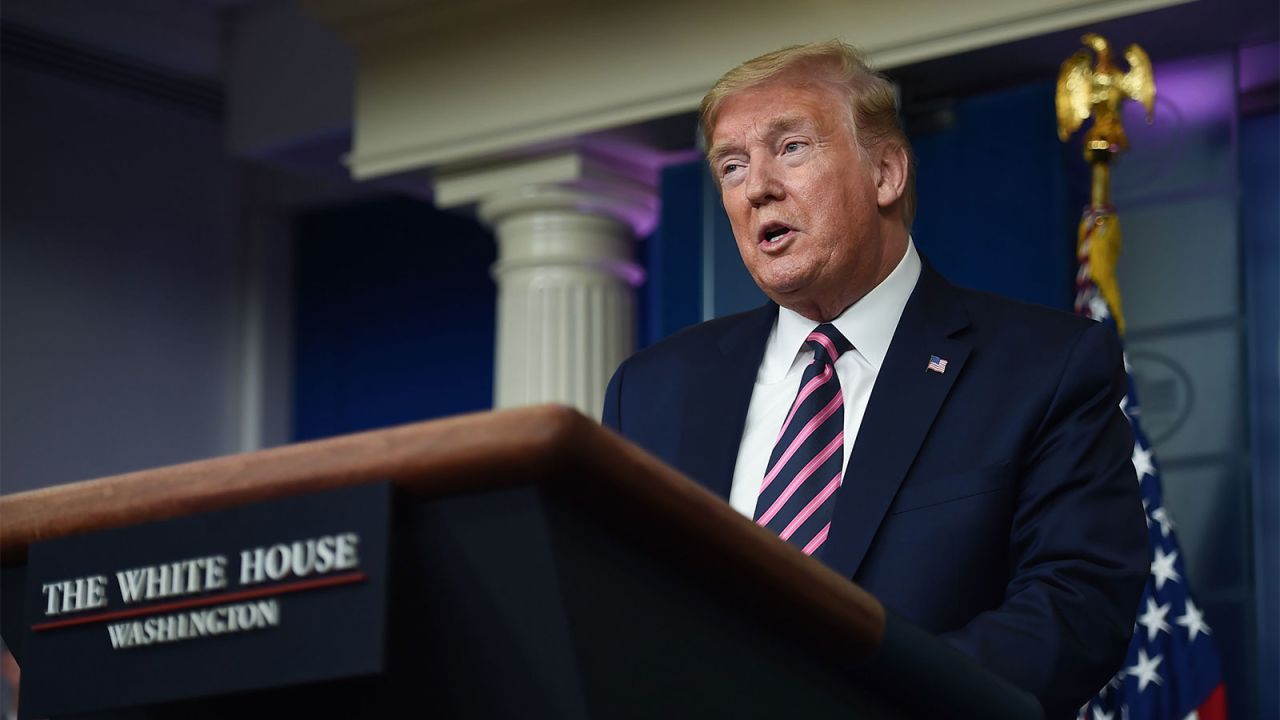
{"points": [[827, 343]]}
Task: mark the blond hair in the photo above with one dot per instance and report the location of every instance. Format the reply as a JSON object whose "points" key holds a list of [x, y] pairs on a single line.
{"points": [[872, 102]]}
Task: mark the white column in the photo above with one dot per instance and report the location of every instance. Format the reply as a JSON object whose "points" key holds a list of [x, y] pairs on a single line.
{"points": [[566, 226], [266, 316]]}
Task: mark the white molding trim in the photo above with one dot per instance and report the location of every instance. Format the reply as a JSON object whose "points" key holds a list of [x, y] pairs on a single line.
{"points": [[444, 83]]}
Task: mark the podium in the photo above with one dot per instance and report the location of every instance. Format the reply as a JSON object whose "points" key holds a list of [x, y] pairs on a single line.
{"points": [[537, 565]]}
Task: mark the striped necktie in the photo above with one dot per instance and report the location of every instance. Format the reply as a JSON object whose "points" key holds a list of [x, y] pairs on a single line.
{"points": [[805, 469]]}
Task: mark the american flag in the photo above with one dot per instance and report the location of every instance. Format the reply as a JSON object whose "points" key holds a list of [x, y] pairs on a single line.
{"points": [[936, 364], [1171, 670]]}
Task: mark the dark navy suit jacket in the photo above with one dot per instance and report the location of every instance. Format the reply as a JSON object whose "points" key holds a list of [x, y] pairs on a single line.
{"points": [[993, 504]]}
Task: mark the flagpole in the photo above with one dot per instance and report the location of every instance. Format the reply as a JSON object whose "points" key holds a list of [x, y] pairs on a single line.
{"points": [[1172, 670], [1100, 195]]}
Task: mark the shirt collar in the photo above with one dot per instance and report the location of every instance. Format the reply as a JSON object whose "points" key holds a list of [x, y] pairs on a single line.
{"points": [[869, 323]]}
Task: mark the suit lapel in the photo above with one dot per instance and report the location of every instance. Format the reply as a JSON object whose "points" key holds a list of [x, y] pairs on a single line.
{"points": [[903, 404], [717, 398]]}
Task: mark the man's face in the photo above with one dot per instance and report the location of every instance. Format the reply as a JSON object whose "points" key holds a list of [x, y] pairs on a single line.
{"points": [[808, 209]]}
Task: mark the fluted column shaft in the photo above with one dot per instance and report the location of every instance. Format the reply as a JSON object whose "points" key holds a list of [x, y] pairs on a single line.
{"points": [[565, 306], [565, 275]]}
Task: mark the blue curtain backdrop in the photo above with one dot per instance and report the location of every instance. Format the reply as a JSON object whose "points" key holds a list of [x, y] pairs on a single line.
{"points": [[995, 211]]}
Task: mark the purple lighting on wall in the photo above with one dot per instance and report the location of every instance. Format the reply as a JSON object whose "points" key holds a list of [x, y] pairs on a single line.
{"points": [[1195, 87], [1259, 67]]}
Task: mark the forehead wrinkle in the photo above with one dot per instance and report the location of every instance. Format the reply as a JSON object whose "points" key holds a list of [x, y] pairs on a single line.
{"points": [[781, 125], [786, 124], [774, 128]]}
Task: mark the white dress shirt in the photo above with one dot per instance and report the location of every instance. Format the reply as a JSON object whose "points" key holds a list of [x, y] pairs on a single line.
{"points": [[869, 324]]}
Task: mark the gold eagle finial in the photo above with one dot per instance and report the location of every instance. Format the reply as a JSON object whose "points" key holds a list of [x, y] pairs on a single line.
{"points": [[1085, 90]]}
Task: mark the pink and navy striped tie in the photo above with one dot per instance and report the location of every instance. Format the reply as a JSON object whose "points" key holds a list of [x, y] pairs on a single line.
{"points": [[806, 467]]}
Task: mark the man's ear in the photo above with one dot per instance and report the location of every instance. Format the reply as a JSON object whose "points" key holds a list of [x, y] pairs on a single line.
{"points": [[892, 176]]}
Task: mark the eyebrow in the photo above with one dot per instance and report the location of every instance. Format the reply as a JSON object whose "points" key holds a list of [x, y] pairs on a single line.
{"points": [[778, 126]]}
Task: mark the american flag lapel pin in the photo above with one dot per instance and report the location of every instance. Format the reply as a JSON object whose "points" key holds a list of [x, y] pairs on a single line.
{"points": [[936, 364]]}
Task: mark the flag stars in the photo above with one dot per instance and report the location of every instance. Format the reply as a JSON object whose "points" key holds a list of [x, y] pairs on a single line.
{"points": [[1145, 670], [1154, 619], [1162, 569], [1142, 461], [1190, 664], [1162, 517], [1193, 621], [1192, 677]]}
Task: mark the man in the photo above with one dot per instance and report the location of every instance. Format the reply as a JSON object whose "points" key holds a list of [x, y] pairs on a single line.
{"points": [[960, 456]]}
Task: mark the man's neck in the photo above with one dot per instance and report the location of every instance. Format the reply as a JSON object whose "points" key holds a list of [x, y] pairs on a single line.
{"points": [[821, 312]]}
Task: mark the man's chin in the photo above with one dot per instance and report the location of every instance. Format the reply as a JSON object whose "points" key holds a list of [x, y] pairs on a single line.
{"points": [[789, 288], [792, 297], [804, 299]]}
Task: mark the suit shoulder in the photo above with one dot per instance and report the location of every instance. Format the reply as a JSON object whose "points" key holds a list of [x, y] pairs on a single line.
{"points": [[1006, 316], [1023, 340]]}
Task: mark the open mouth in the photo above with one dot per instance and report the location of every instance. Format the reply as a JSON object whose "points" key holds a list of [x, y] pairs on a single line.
{"points": [[774, 232]]}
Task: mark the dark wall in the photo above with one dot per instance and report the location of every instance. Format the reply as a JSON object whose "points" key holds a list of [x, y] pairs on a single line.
{"points": [[120, 281], [395, 317]]}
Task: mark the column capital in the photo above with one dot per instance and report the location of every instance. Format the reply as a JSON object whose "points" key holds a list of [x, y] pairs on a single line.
{"points": [[566, 220], [577, 180]]}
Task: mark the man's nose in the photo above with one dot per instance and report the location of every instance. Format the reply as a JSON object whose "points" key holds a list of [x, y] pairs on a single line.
{"points": [[763, 183]]}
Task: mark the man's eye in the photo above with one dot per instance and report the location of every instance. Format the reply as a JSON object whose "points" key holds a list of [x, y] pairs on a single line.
{"points": [[792, 146], [729, 167]]}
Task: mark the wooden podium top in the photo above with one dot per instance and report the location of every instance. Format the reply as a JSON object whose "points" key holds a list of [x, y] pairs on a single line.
{"points": [[555, 447]]}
